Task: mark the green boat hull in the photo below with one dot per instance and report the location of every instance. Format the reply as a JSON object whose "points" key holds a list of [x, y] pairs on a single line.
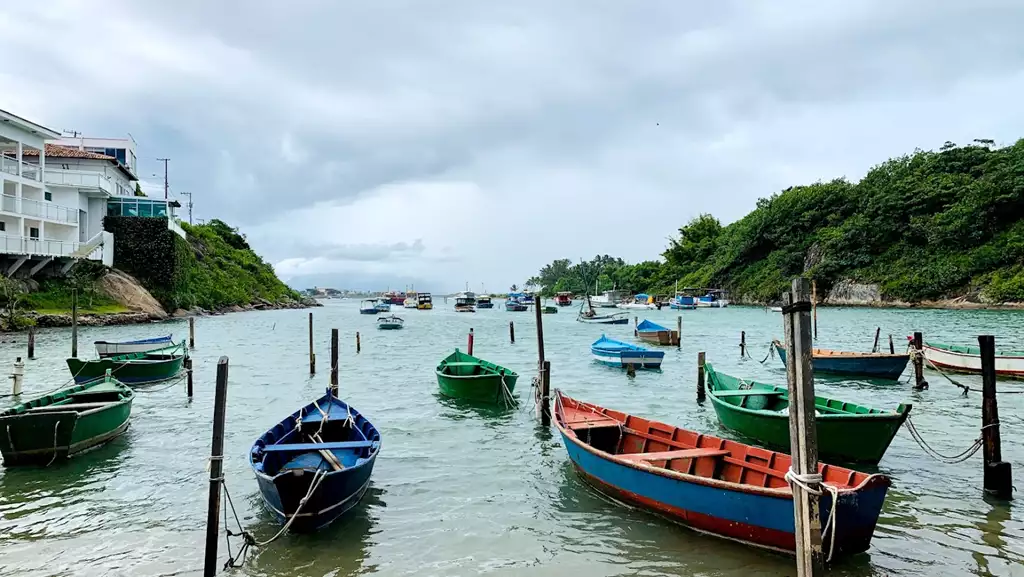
{"points": [[133, 369], [64, 423], [461, 376], [846, 432]]}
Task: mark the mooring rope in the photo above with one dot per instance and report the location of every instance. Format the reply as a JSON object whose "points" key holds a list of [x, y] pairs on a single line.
{"points": [[771, 352], [54, 456], [811, 482], [506, 394], [948, 460]]}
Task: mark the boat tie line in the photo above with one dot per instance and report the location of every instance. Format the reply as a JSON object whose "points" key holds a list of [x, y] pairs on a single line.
{"points": [[771, 352], [812, 483], [946, 459]]}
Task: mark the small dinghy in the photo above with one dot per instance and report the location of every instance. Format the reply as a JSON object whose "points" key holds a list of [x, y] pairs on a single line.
{"points": [[463, 376], [656, 334], [886, 366], [390, 323], [323, 454], [619, 354], [132, 369], [114, 348]]}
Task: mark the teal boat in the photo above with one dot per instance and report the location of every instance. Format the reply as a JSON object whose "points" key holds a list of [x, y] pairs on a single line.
{"points": [[133, 369]]}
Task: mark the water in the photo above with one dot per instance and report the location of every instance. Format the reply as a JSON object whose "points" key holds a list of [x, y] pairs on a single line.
{"points": [[465, 491]]}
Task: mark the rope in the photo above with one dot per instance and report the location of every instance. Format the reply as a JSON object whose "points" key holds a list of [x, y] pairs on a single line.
{"points": [[811, 482], [506, 394], [948, 460], [54, 456], [771, 353], [916, 354], [174, 381]]}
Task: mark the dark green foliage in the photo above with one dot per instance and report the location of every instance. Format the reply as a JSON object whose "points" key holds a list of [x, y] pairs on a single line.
{"points": [[926, 226]]}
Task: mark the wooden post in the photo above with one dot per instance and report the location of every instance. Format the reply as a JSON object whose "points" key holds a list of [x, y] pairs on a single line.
{"points": [[892, 349], [469, 343], [998, 479], [679, 331], [700, 377], [31, 342], [334, 360], [188, 375], [191, 332], [814, 306], [919, 382], [540, 331], [630, 370], [359, 345], [878, 332], [545, 395], [511, 332], [312, 354], [743, 344], [216, 468], [636, 321], [803, 434], [74, 322]]}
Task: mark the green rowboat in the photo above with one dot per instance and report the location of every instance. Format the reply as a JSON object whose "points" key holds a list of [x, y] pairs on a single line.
{"points": [[65, 422], [463, 376], [133, 369], [846, 432]]}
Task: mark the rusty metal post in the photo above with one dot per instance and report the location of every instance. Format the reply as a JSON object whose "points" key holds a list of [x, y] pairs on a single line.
{"points": [[545, 394], [359, 344], [188, 375], [743, 344]]}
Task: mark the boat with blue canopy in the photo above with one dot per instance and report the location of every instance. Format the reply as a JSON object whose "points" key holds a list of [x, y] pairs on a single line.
{"points": [[517, 302], [654, 333], [315, 464], [619, 354]]}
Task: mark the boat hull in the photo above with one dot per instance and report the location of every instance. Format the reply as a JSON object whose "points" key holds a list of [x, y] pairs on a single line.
{"points": [[338, 493], [877, 366], [389, 326], [609, 320], [111, 349], [462, 376], [967, 360], [481, 305], [516, 308], [639, 359], [372, 311], [128, 372]]}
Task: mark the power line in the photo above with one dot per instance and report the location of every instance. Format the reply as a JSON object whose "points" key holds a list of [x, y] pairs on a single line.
{"points": [[166, 186]]}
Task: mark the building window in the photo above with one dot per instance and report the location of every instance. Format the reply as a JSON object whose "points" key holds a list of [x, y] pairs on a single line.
{"points": [[48, 195], [3, 226], [33, 233]]}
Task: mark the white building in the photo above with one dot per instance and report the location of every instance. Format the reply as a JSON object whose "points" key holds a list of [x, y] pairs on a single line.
{"points": [[57, 191]]}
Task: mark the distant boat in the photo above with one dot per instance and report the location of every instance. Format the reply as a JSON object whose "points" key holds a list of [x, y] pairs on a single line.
{"points": [[654, 333], [318, 458], [715, 486], [517, 302], [683, 303], [961, 359], [563, 299], [394, 298], [846, 432], [382, 306], [640, 301], [715, 299], [870, 365], [132, 369], [608, 299], [549, 309], [113, 348], [65, 422], [409, 302], [776, 309], [619, 354], [590, 316], [465, 302], [424, 302], [484, 302], [390, 323], [464, 376], [368, 307]]}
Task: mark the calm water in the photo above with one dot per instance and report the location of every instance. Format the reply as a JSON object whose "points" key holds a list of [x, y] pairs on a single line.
{"points": [[464, 491]]}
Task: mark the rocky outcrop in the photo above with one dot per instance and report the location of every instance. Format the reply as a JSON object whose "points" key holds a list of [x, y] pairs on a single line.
{"points": [[64, 320], [849, 292], [123, 288]]}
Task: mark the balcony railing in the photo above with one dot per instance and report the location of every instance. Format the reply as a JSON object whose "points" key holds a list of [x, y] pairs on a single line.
{"points": [[39, 209], [10, 244], [10, 166], [80, 179]]}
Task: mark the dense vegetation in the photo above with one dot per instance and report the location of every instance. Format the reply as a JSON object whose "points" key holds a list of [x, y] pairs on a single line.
{"points": [[924, 226]]}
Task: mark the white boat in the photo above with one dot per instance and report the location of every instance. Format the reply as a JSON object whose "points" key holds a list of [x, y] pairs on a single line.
{"points": [[1009, 364], [776, 309], [608, 299], [390, 323], [714, 299], [409, 303], [114, 348]]}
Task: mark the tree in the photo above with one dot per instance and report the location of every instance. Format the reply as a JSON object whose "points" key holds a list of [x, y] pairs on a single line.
{"points": [[11, 296], [514, 289]]}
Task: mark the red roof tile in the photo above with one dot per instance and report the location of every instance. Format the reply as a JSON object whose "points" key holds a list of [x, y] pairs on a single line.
{"points": [[57, 151]]}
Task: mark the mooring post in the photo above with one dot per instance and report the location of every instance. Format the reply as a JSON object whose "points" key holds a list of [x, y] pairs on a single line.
{"points": [[918, 356], [31, 342], [469, 342], [216, 468], [312, 354], [74, 322], [814, 306], [743, 344], [334, 360], [511, 332], [359, 345], [878, 333], [540, 331], [630, 370], [545, 394], [188, 376], [803, 434], [700, 377], [636, 321], [998, 478], [191, 332], [679, 331], [18, 376], [892, 349]]}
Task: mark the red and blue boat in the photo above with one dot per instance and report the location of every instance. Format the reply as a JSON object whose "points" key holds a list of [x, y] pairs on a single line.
{"points": [[712, 485], [886, 366]]}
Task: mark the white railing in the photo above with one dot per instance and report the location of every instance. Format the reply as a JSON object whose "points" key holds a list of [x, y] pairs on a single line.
{"points": [[79, 179], [39, 209], [173, 225], [10, 244], [10, 166]]}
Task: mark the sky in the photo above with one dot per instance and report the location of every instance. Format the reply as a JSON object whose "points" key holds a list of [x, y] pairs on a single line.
{"points": [[368, 145]]}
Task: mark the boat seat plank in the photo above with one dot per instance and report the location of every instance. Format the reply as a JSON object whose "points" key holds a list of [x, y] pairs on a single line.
{"points": [[460, 364], [318, 446], [748, 393], [755, 467], [69, 407], [585, 424], [671, 455]]}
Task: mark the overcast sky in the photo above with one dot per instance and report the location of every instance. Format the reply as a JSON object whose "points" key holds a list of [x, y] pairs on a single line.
{"points": [[360, 144]]}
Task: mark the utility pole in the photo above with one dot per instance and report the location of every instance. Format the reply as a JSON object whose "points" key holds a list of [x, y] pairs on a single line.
{"points": [[189, 205], [166, 186]]}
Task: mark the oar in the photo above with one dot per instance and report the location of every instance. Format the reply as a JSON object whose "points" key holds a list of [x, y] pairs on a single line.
{"points": [[327, 455]]}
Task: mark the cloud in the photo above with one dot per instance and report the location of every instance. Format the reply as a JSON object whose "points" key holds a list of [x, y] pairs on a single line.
{"points": [[502, 137]]}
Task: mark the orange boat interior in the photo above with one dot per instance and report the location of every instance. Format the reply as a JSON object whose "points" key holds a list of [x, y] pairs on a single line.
{"points": [[636, 440]]}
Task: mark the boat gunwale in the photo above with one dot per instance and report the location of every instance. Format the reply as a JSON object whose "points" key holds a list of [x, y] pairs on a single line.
{"points": [[1014, 355], [496, 368], [834, 354]]}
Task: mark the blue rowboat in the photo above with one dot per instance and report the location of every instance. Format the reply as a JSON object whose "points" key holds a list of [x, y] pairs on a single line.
{"points": [[114, 348], [852, 364], [324, 453], [712, 485], [619, 354]]}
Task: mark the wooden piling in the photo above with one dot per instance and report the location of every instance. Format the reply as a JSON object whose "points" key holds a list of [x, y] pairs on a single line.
{"points": [[878, 333], [892, 349], [469, 343], [636, 321], [919, 382], [359, 344], [679, 331], [743, 344], [188, 376], [814, 306], [545, 394], [74, 322], [191, 332], [803, 433], [540, 331], [31, 342], [334, 360], [216, 468], [511, 332], [630, 370], [312, 354], [998, 480], [700, 377]]}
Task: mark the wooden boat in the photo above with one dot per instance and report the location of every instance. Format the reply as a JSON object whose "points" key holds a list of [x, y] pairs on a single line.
{"points": [[961, 359], [549, 310], [714, 299], [619, 354], [114, 348], [846, 431], [465, 302], [133, 369], [712, 485], [588, 315], [424, 302], [607, 299], [853, 364], [390, 323], [683, 303], [323, 453], [65, 422], [484, 302], [656, 334], [368, 307], [563, 299], [640, 301], [463, 376]]}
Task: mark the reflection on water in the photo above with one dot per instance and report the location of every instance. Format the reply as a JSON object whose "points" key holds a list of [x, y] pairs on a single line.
{"points": [[465, 489]]}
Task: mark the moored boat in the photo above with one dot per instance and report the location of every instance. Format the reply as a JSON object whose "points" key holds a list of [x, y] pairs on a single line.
{"points": [[549, 309], [683, 303], [464, 376], [640, 301], [382, 306], [961, 359], [853, 364], [465, 302], [484, 302], [715, 486], [133, 369], [113, 348], [368, 307], [654, 333], [318, 459], [847, 432], [619, 354], [66, 422], [410, 302], [390, 323], [714, 298], [516, 302], [563, 299], [424, 302], [607, 299]]}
